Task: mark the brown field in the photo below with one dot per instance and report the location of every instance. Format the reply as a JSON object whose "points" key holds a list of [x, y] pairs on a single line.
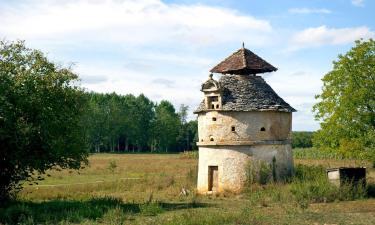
{"points": [[145, 189]]}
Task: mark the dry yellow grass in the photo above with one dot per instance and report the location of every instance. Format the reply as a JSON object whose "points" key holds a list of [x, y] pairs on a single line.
{"points": [[141, 178]]}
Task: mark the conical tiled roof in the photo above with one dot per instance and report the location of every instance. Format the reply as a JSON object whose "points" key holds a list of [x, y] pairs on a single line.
{"points": [[248, 93], [243, 62]]}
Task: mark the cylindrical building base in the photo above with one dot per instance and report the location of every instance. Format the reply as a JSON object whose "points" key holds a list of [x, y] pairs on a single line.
{"points": [[226, 168]]}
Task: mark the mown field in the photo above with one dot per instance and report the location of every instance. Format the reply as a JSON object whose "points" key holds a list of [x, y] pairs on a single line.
{"points": [[146, 189]]}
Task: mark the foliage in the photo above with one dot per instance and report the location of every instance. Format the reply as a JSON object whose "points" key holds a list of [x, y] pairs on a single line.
{"points": [[317, 153], [166, 126], [347, 103], [40, 116], [118, 123], [310, 185], [259, 172], [112, 165], [302, 139], [52, 212]]}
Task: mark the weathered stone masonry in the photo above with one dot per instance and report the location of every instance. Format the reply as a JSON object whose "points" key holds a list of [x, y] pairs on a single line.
{"points": [[240, 121]]}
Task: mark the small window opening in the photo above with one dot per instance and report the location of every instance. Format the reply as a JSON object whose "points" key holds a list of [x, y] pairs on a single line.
{"points": [[217, 106], [201, 140], [211, 139], [213, 118], [213, 98], [262, 129], [212, 106], [233, 128]]}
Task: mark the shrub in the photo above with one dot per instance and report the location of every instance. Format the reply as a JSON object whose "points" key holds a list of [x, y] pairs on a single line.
{"points": [[150, 208], [112, 165], [259, 172], [302, 139], [310, 185], [18, 214]]}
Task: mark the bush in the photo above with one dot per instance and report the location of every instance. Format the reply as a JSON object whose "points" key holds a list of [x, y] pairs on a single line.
{"points": [[315, 153], [112, 165], [150, 208], [302, 139], [311, 185], [18, 214], [259, 172]]}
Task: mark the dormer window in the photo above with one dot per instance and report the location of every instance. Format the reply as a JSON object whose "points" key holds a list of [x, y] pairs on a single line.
{"points": [[213, 102], [213, 94], [213, 98]]}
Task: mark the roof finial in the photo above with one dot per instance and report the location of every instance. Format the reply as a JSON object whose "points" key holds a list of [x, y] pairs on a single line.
{"points": [[243, 44]]}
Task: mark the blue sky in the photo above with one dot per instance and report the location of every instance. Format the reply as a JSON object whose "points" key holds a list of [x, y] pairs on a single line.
{"points": [[165, 49]]}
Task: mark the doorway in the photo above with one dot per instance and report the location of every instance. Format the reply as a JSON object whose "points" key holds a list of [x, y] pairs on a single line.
{"points": [[213, 178]]}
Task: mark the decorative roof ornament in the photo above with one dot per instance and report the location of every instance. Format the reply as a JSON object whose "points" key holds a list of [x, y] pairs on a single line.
{"points": [[210, 85], [243, 62]]}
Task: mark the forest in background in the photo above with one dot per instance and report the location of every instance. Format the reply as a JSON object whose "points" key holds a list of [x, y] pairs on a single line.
{"points": [[128, 123]]}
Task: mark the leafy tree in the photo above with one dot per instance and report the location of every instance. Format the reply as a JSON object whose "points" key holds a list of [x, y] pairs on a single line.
{"points": [[183, 138], [166, 125], [40, 116], [302, 139], [143, 116], [192, 129], [347, 103]]}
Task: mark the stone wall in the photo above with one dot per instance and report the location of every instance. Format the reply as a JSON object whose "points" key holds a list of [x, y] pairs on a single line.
{"points": [[226, 127], [232, 162]]}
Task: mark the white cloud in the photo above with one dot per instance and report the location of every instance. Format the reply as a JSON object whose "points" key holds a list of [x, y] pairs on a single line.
{"points": [[131, 22], [145, 34], [318, 36], [298, 86], [309, 11], [358, 3]]}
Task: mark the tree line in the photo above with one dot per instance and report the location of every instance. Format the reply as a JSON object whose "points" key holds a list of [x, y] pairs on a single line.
{"points": [[128, 123], [302, 139]]}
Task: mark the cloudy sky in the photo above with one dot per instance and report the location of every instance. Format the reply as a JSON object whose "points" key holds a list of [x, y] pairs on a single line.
{"points": [[165, 49]]}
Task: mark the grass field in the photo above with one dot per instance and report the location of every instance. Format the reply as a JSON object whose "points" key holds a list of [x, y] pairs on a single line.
{"points": [[145, 189]]}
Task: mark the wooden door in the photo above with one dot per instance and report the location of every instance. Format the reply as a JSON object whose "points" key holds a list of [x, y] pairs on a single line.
{"points": [[213, 178]]}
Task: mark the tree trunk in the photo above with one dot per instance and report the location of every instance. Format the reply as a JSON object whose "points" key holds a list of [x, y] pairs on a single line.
{"points": [[126, 145]]}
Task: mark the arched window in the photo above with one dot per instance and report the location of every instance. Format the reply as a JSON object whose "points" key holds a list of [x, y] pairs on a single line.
{"points": [[262, 129]]}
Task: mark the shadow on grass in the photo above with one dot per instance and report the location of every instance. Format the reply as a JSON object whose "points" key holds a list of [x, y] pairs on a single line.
{"points": [[371, 190], [55, 211]]}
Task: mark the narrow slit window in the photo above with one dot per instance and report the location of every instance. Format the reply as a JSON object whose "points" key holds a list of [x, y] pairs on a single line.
{"points": [[262, 129], [212, 106], [217, 106], [233, 128]]}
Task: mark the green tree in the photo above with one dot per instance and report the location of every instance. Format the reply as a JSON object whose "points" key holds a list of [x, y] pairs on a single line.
{"points": [[346, 106], [183, 138], [302, 139], [166, 125], [192, 129], [40, 116]]}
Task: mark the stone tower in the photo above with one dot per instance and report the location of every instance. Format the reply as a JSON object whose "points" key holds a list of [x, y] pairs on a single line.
{"points": [[242, 124]]}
